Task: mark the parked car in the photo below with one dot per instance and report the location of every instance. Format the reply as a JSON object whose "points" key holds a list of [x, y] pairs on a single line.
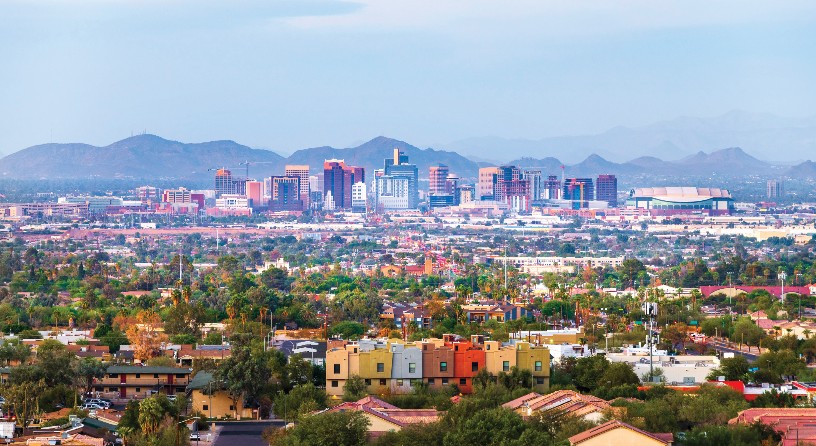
{"points": [[103, 404], [92, 406]]}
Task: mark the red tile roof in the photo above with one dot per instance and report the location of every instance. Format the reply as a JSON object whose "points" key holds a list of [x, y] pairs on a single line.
{"points": [[616, 424]]}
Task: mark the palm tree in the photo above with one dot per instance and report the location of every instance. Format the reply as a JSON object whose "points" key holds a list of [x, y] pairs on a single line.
{"points": [[151, 414]]}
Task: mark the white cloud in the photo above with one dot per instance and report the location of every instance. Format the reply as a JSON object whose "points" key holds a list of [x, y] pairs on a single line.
{"points": [[568, 17]]}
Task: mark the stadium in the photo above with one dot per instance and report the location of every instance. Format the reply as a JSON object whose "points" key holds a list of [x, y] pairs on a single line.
{"points": [[682, 200]]}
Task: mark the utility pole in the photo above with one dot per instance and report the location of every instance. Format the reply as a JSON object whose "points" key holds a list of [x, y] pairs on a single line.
{"points": [[782, 277]]}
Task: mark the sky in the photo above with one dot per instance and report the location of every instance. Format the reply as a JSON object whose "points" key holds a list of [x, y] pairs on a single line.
{"points": [[290, 74]]}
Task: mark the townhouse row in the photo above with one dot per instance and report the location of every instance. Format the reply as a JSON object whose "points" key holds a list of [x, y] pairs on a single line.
{"points": [[396, 367]]}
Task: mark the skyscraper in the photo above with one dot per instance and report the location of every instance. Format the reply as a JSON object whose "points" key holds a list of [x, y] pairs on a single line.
{"points": [[399, 168], [254, 191], [580, 191], [776, 189], [512, 188], [487, 182], [286, 194], [533, 176], [438, 178], [338, 180], [301, 171], [552, 188], [606, 189]]}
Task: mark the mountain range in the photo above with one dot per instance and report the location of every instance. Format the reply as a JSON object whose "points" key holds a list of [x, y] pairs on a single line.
{"points": [[152, 157], [765, 135]]}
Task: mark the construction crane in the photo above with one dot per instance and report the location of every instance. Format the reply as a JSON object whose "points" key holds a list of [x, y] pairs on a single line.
{"points": [[247, 163]]}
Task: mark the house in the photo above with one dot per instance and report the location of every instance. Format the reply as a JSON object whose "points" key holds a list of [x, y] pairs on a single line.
{"points": [[568, 402], [206, 397], [796, 425], [133, 381], [384, 417], [619, 433], [186, 355]]}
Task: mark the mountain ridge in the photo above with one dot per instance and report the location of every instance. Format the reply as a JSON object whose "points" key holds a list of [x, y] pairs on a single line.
{"points": [[150, 156]]}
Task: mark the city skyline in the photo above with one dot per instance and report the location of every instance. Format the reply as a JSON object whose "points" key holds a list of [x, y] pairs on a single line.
{"points": [[265, 72]]}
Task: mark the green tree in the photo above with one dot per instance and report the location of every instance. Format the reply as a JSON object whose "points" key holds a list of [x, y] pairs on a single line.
{"points": [[151, 414], [347, 330], [328, 429], [355, 388], [300, 401], [733, 369]]}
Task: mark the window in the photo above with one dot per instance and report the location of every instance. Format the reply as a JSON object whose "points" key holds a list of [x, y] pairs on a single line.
{"points": [[180, 375], [538, 366], [138, 389], [400, 383], [444, 381], [113, 375], [462, 381], [205, 407], [155, 375], [506, 366], [337, 368], [335, 384], [443, 366], [380, 367], [232, 407], [382, 382], [431, 381], [474, 366], [488, 347], [138, 375], [368, 382], [540, 381], [411, 367]]}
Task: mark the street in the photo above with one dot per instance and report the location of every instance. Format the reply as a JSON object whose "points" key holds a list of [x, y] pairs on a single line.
{"points": [[243, 433]]}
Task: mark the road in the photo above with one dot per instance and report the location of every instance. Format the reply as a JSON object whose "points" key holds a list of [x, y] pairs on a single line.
{"points": [[243, 433], [722, 346]]}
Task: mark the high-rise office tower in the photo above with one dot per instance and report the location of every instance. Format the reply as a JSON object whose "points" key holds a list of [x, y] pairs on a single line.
{"points": [[301, 171], [438, 178], [338, 180], [225, 183], [533, 176], [776, 189], [254, 191], [512, 188], [580, 191], [285, 194], [487, 183], [606, 189], [399, 168], [552, 188]]}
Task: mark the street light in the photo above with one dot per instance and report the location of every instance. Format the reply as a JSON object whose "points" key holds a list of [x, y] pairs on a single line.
{"points": [[178, 429]]}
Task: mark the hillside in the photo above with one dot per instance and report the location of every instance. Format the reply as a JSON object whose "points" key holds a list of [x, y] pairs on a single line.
{"points": [[372, 154], [763, 134], [143, 156]]}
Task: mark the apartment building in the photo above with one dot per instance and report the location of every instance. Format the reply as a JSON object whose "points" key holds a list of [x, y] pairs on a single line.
{"points": [[393, 366], [131, 381]]}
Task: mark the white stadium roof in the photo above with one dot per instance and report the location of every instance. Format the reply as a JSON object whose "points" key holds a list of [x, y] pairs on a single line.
{"points": [[680, 194]]}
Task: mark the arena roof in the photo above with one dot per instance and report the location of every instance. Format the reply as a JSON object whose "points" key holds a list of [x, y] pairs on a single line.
{"points": [[681, 194]]}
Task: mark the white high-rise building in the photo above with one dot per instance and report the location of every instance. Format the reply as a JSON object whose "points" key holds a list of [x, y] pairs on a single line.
{"points": [[301, 171]]}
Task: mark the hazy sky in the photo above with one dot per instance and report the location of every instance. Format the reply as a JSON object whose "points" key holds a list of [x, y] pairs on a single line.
{"points": [[292, 74]]}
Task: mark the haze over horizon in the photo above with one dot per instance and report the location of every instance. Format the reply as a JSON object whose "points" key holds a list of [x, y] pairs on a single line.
{"points": [[287, 75]]}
